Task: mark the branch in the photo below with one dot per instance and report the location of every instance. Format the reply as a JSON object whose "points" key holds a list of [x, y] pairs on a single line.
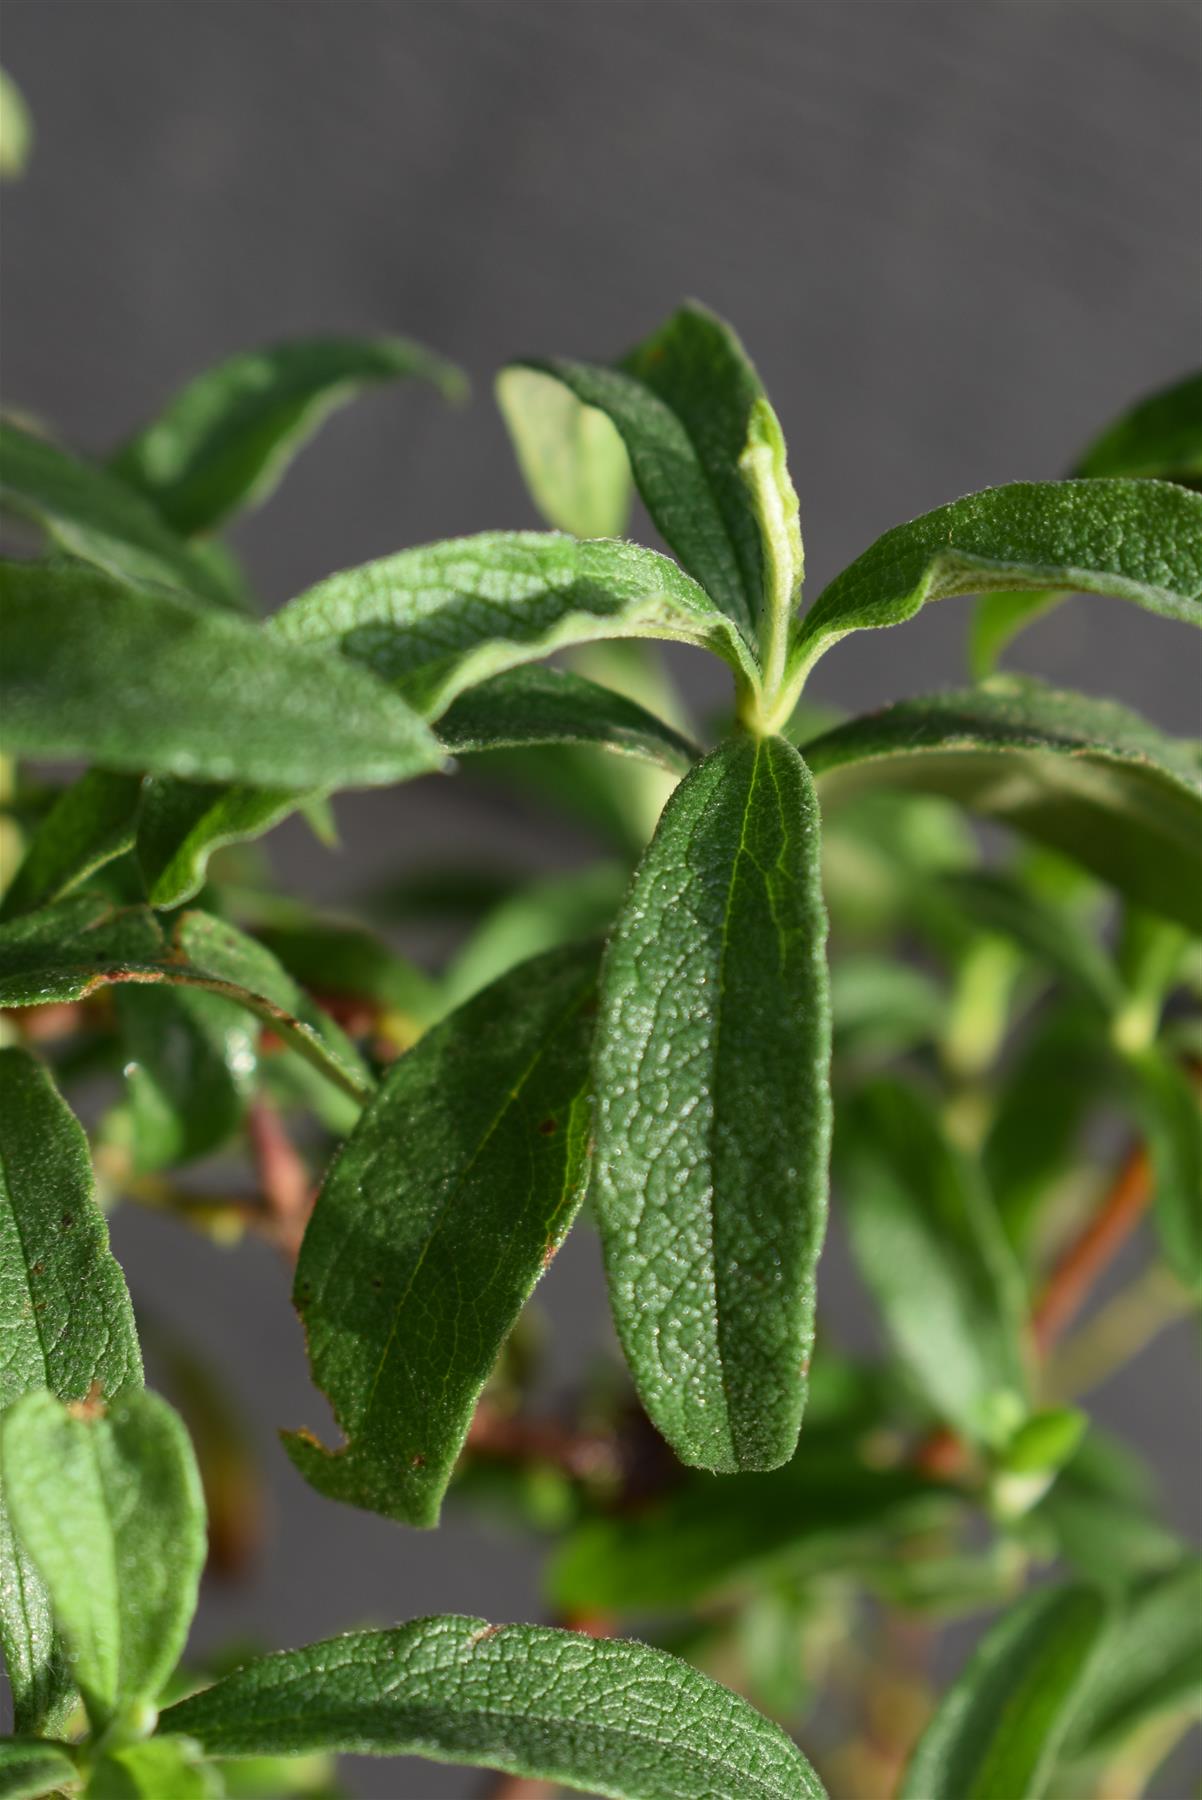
{"points": [[1088, 1255]]}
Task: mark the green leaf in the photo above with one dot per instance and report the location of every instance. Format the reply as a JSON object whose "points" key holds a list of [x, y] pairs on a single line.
{"points": [[16, 129], [154, 683], [189, 1062], [30, 1769], [572, 460], [1160, 436], [1085, 777], [1149, 1665], [93, 515], [552, 706], [162, 1768], [329, 956], [682, 402], [182, 823], [1102, 1516], [1001, 904], [997, 618], [108, 1504], [607, 1716], [68, 950], [65, 1324], [425, 1245], [1166, 1102], [929, 1247], [997, 1731], [565, 909], [1137, 540], [227, 438], [817, 1514], [713, 1110], [436, 620], [883, 1007], [90, 823]]}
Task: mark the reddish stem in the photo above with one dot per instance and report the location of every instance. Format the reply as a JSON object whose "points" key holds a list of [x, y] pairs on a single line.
{"points": [[283, 1177], [1087, 1256]]}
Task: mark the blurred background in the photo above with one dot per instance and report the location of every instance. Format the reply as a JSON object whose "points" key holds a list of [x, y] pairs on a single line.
{"points": [[956, 241]]}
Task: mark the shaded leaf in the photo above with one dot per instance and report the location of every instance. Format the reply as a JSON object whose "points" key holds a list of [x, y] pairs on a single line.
{"points": [[424, 1245], [154, 683], [711, 1070], [68, 950], [436, 620], [1086, 777], [108, 1504], [1137, 540], [682, 403], [330, 956], [1167, 1104], [552, 706], [226, 439], [1149, 1665], [998, 1729], [929, 1247], [66, 1324], [181, 824], [1160, 436], [30, 1768], [572, 459], [90, 823], [95, 516], [599, 1714], [189, 1062]]}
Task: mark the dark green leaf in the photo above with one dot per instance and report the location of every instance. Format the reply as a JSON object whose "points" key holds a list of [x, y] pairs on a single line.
{"points": [[93, 515], [90, 823], [1160, 436], [552, 706], [329, 956], [713, 1108], [818, 1513], [425, 1244], [226, 439], [1166, 1102], [65, 1324], [1138, 540], [30, 1769], [607, 1716], [928, 1244], [573, 460], [682, 402], [160, 1769], [181, 824], [1086, 777], [68, 950], [155, 683], [999, 1728], [189, 1061], [1150, 1663], [108, 1504], [439, 619]]}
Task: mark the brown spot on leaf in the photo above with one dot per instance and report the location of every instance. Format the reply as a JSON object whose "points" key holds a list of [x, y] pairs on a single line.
{"points": [[548, 1128]]}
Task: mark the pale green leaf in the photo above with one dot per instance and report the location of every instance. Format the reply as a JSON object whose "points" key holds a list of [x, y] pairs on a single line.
{"points": [[153, 683], [65, 1324], [425, 1243], [16, 129], [713, 1108], [436, 620], [108, 1503], [161, 1768], [227, 438], [1167, 1104], [563, 909], [998, 1729], [93, 515], [572, 459], [90, 823], [1085, 777], [603, 1715], [1137, 540], [930, 1249]]}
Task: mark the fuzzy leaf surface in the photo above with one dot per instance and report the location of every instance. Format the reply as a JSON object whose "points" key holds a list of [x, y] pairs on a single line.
{"points": [[91, 822], [66, 1324], [68, 950], [181, 824], [539, 705], [30, 1769], [603, 1715], [425, 1244], [931, 1251], [713, 1109], [147, 681], [1085, 777], [997, 1731], [1137, 540], [226, 439], [95, 516], [108, 1503], [436, 620]]}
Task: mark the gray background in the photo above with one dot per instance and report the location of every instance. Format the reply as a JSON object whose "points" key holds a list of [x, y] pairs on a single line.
{"points": [[956, 239]]}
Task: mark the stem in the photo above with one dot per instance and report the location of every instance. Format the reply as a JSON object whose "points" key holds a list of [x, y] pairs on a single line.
{"points": [[1123, 1206], [1117, 1333], [283, 1178]]}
